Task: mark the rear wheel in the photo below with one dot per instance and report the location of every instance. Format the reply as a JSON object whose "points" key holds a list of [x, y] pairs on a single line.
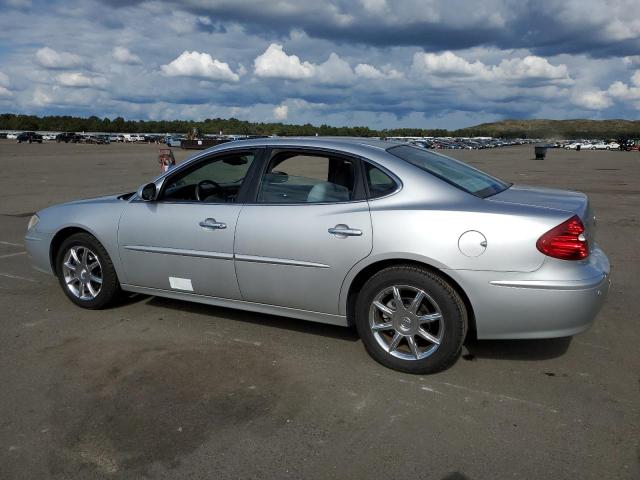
{"points": [[411, 320], [86, 273]]}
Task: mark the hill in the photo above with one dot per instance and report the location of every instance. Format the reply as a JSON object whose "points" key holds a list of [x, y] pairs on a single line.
{"points": [[555, 129]]}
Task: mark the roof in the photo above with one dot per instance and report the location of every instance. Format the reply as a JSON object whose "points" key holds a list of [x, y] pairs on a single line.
{"points": [[326, 142]]}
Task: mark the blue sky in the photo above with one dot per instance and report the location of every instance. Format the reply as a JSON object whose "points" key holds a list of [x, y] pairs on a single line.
{"points": [[428, 63]]}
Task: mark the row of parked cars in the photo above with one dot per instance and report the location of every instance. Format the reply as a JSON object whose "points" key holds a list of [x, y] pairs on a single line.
{"points": [[463, 143], [591, 145], [72, 137]]}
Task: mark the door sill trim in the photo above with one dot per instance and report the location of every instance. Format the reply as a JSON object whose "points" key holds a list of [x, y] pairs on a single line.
{"points": [[328, 318]]}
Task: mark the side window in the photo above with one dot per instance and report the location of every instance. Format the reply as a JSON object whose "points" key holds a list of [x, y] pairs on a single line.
{"points": [[217, 180], [299, 177], [380, 184]]}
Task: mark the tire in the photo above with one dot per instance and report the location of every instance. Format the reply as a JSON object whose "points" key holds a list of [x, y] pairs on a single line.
{"points": [[440, 314], [93, 294]]}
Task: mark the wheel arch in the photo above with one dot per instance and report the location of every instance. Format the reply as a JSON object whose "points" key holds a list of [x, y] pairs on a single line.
{"points": [[371, 269], [60, 236]]}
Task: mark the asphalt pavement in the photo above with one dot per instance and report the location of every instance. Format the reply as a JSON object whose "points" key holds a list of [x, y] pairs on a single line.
{"points": [[160, 388]]}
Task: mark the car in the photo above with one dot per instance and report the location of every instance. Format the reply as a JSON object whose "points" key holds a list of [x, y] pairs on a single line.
{"points": [[68, 137], [96, 139], [12, 136], [614, 146], [601, 146], [413, 248], [29, 137]]}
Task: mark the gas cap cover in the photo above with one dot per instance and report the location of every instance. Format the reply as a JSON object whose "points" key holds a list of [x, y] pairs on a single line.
{"points": [[472, 243]]}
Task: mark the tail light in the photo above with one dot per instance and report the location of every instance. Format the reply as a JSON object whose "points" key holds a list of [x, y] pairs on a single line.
{"points": [[566, 241]]}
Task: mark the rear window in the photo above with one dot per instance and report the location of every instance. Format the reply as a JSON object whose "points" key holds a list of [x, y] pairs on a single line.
{"points": [[380, 184], [452, 171]]}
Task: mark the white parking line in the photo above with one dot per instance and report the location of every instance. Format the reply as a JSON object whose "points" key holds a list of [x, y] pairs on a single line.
{"points": [[17, 277], [11, 243], [12, 254]]}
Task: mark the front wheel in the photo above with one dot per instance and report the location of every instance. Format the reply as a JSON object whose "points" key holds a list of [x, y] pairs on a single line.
{"points": [[86, 273], [411, 320]]}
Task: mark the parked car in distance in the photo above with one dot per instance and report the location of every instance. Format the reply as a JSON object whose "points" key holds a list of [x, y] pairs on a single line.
{"points": [[413, 248], [49, 136], [29, 137], [601, 146], [614, 146], [68, 137], [12, 136], [96, 139]]}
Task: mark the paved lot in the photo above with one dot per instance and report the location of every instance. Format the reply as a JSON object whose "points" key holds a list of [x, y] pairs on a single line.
{"points": [[168, 389]]}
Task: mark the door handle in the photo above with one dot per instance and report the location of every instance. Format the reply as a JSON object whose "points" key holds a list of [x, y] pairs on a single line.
{"points": [[341, 230], [212, 224]]}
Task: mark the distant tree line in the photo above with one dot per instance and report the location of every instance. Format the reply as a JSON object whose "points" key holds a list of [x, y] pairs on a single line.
{"points": [[562, 129]]}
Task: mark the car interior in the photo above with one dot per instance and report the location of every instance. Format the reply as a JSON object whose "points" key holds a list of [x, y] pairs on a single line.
{"points": [[216, 181], [295, 177]]}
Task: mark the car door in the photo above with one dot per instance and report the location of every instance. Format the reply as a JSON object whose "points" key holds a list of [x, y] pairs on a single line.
{"points": [[184, 240], [308, 227]]}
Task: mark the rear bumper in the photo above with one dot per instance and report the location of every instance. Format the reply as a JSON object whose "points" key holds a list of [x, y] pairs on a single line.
{"points": [[558, 300]]}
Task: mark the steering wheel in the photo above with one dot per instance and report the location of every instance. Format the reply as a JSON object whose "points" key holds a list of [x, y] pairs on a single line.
{"points": [[201, 195]]}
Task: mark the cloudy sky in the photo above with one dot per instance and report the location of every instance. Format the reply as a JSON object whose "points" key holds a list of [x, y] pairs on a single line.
{"points": [[380, 63]]}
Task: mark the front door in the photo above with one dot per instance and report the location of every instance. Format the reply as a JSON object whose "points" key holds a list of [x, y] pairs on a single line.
{"points": [[309, 226], [184, 240]]}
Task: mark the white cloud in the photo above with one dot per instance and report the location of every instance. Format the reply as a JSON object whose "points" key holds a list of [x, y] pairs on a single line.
{"points": [[124, 55], [621, 91], [80, 80], [454, 67], [447, 63], [50, 58], [275, 63], [531, 67], [591, 99], [5, 92], [335, 70], [281, 112], [200, 65], [370, 72]]}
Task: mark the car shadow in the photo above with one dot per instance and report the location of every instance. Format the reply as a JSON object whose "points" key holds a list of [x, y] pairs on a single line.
{"points": [[538, 349], [273, 321]]}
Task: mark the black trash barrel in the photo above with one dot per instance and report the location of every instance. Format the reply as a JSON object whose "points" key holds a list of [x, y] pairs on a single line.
{"points": [[541, 152]]}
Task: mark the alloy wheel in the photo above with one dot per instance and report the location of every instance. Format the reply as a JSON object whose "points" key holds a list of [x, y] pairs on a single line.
{"points": [[406, 322], [82, 273]]}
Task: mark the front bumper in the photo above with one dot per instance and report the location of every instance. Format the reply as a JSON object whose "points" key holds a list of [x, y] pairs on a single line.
{"points": [[38, 246], [560, 299]]}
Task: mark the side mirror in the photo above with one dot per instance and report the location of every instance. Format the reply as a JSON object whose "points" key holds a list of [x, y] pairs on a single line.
{"points": [[148, 192]]}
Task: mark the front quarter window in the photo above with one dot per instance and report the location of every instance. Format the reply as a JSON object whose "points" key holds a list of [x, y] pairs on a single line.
{"points": [[452, 171]]}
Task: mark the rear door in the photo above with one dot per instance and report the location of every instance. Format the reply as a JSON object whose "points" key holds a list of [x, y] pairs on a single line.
{"points": [[308, 227]]}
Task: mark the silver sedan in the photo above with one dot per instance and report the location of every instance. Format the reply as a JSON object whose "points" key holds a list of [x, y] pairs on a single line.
{"points": [[413, 248]]}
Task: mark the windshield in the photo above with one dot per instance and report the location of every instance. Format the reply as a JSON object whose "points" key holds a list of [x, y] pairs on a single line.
{"points": [[452, 171]]}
